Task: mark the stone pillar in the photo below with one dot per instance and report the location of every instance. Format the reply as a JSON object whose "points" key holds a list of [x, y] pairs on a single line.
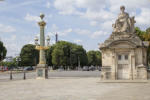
{"points": [[42, 68], [113, 67], [132, 65]]}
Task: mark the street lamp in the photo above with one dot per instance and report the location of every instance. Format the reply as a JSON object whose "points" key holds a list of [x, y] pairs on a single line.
{"points": [[36, 40], [48, 40], [18, 59]]}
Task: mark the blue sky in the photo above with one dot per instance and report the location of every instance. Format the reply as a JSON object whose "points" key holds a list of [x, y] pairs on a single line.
{"points": [[85, 22]]}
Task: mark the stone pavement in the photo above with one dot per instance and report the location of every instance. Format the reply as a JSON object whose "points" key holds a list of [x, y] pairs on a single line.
{"points": [[72, 89]]}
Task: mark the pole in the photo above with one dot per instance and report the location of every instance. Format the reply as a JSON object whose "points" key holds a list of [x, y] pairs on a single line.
{"points": [[24, 74], [11, 74], [70, 58], [78, 62]]}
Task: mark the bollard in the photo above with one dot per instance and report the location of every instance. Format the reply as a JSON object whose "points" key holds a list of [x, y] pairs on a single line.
{"points": [[24, 75], [11, 75]]}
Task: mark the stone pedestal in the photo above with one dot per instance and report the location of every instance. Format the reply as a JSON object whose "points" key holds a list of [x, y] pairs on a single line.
{"points": [[42, 71]]}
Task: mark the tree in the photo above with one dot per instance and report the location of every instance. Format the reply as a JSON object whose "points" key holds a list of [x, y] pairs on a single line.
{"points": [[144, 36], [49, 55], [9, 64], [3, 51], [68, 54], [140, 33], [94, 58], [78, 54], [29, 55]]}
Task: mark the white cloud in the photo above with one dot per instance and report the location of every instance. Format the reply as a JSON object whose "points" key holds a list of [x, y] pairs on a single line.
{"points": [[130, 4], [97, 34], [11, 45], [144, 18], [77, 41], [107, 25], [50, 16], [64, 32], [102, 11], [66, 7], [82, 31], [31, 42], [48, 5], [93, 23], [54, 28], [91, 4], [18, 5], [30, 17], [68, 30], [51, 34], [6, 29]]}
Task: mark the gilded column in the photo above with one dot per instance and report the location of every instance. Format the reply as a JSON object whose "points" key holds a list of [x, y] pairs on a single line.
{"points": [[42, 69]]}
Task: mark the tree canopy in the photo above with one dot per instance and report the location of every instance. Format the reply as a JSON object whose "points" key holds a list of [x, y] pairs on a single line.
{"points": [[145, 36], [3, 51], [94, 58], [29, 55], [68, 54], [63, 53]]}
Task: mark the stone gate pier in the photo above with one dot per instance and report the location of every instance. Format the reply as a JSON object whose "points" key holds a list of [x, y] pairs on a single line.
{"points": [[124, 54]]}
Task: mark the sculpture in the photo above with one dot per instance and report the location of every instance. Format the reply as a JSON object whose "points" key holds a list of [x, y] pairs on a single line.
{"points": [[124, 23]]}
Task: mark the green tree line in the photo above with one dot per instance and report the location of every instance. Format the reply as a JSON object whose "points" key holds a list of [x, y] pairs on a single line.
{"points": [[63, 53], [3, 51]]}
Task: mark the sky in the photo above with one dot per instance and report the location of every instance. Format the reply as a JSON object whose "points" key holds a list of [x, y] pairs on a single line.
{"points": [[84, 22]]}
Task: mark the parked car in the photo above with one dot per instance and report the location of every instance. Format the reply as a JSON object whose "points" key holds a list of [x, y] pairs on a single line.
{"points": [[28, 68], [60, 68], [85, 68], [92, 68]]}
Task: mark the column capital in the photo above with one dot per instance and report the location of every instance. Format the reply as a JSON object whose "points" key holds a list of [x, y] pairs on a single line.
{"points": [[42, 23]]}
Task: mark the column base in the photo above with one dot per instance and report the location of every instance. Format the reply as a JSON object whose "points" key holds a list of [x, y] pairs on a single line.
{"points": [[42, 71]]}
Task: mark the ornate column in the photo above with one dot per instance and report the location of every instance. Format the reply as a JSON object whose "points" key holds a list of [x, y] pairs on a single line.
{"points": [[42, 68]]}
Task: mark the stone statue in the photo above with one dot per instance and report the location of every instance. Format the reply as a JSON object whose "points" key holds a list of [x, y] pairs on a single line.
{"points": [[124, 23]]}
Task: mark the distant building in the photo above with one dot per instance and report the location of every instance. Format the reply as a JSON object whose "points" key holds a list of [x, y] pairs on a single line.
{"points": [[8, 59]]}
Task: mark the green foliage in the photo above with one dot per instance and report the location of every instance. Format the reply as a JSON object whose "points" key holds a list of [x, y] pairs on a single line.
{"points": [[62, 53], [145, 36], [29, 55], [49, 55], [94, 58], [68, 54], [3, 51], [140, 33], [9, 64]]}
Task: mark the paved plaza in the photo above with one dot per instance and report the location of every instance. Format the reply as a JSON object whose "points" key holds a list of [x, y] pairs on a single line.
{"points": [[72, 88], [32, 75]]}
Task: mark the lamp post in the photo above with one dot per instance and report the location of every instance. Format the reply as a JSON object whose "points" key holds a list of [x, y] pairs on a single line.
{"points": [[42, 68], [79, 67], [18, 59]]}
